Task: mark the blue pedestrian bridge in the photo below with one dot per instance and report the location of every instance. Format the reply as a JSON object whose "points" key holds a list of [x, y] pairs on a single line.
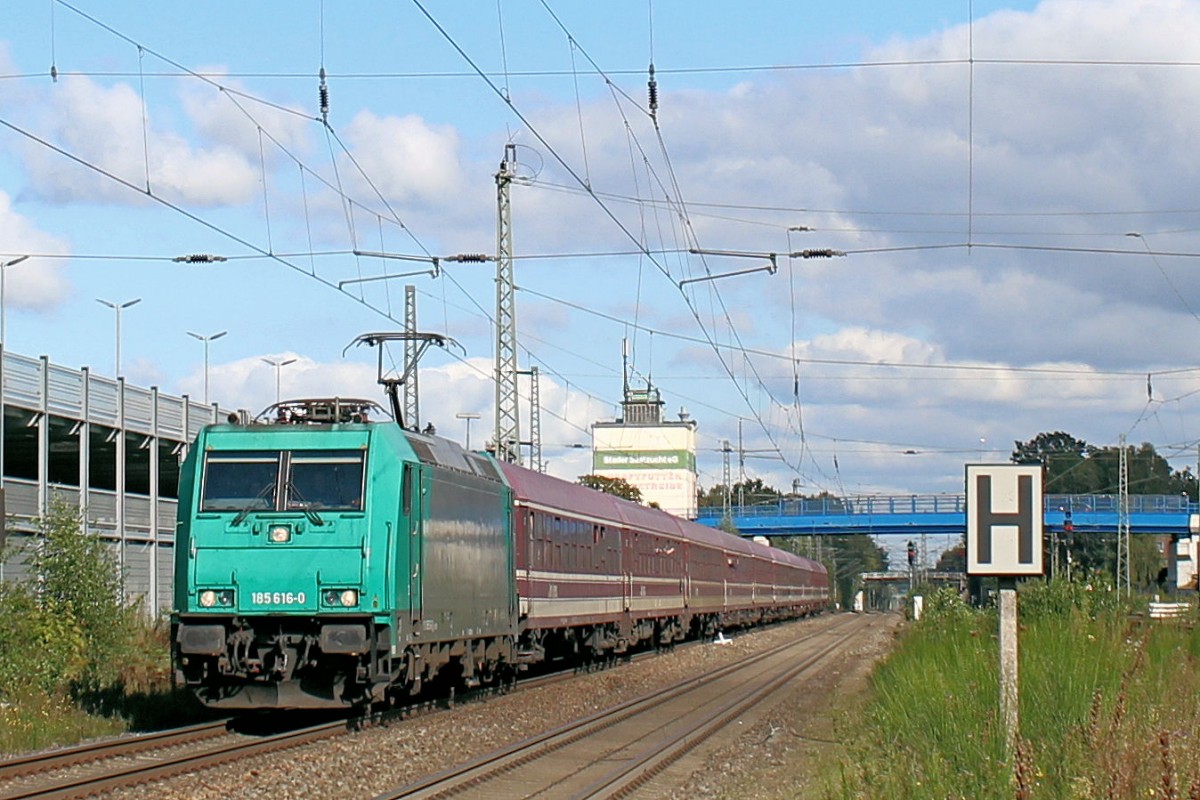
{"points": [[946, 514]]}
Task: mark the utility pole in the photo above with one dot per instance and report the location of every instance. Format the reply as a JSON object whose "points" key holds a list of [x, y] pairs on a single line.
{"points": [[1123, 522], [725, 450], [508, 429], [741, 470], [412, 410]]}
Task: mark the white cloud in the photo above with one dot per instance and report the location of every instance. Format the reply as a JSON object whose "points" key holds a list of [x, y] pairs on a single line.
{"points": [[105, 127], [232, 116], [35, 283], [409, 159]]}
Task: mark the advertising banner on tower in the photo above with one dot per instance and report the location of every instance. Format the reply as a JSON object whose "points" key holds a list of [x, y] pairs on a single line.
{"points": [[660, 460]]}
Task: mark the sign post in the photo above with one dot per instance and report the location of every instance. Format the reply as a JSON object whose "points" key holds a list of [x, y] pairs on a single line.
{"points": [[1004, 539]]}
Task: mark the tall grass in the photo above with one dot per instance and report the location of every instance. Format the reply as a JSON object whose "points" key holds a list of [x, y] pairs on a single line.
{"points": [[1109, 706]]}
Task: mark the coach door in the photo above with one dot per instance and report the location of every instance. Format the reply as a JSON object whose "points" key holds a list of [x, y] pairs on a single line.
{"points": [[628, 564]]}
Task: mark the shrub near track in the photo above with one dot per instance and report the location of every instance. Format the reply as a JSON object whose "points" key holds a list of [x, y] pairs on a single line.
{"points": [[74, 659], [1109, 705]]}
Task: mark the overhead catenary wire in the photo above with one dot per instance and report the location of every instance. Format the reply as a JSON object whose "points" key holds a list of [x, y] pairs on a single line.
{"points": [[641, 234]]}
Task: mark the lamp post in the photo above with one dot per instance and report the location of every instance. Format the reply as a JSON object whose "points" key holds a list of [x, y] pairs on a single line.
{"points": [[206, 340], [467, 416], [3, 346], [3, 269], [278, 365], [118, 307]]}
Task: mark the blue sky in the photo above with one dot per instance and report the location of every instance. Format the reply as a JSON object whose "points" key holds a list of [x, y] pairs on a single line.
{"points": [[881, 371]]}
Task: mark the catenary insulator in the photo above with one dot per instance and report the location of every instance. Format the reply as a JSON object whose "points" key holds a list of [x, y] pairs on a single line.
{"points": [[653, 86], [324, 93]]}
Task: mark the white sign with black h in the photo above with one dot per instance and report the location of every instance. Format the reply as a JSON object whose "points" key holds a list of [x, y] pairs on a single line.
{"points": [[1004, 519]]}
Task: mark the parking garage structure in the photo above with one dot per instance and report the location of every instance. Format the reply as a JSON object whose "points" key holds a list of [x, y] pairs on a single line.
{"points": [[110, 450]]}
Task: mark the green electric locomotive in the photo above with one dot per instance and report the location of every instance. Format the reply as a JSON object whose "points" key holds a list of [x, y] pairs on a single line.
{"points": [[327, 560]]}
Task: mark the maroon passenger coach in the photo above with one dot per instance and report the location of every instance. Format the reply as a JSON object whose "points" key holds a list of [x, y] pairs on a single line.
{"points": [[597, 575]]}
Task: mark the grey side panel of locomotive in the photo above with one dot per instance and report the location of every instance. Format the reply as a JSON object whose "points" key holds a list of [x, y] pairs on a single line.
{"points": [[467, 583]]}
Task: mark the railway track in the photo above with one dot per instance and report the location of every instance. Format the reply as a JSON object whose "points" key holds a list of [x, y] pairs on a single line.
{"points": [[611, 753], [109, 765], [115, 764]]}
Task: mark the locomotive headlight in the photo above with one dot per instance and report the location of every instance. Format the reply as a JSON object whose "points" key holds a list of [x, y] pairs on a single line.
{"points": [[280, 534], [347, 598], [216, 597]]}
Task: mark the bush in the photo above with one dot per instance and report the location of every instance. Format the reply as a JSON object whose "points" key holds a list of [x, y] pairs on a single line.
{"points": [[1059, 597], [79, 582], [39, 649]]}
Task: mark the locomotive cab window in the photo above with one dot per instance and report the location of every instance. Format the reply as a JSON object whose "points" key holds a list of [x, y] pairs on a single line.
{"points": [[251, 480], [328, 480], [236, 481]]}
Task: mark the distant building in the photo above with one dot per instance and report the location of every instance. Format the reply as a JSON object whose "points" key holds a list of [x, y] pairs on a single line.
{"points": [[655, 455], [1181, 562]]}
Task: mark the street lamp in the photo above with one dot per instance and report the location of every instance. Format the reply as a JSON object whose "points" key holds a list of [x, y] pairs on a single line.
{"points": [[278, 365], [468, 416], [3, 269], [206, 340], [117, 307]]}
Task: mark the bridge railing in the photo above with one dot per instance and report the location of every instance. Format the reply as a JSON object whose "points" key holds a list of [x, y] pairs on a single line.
{"points": [[946, 504]]}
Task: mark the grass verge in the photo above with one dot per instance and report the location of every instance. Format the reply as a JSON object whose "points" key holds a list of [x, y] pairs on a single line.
{"points": [[1109, 706]]}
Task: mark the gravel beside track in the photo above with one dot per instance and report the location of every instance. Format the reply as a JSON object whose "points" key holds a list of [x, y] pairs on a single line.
{"points": [[363, 764]]}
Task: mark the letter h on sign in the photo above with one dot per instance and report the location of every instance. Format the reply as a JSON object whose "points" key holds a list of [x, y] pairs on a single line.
{"points": [[1004, 519]]}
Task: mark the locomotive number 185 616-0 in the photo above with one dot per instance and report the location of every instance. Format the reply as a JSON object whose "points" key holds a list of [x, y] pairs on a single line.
{"points": [[277, 598]]}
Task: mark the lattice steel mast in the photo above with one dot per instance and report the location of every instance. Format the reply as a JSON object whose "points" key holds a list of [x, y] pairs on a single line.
{"points": [[412, 410], [535, 421], [508, 429]]}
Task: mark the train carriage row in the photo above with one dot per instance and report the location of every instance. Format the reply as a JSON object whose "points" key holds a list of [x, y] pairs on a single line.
{"points": [[622, 574]]}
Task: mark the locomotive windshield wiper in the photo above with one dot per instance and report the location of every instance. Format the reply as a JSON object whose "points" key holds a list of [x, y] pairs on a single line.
{"points": [[250, 505], [303, 505]]}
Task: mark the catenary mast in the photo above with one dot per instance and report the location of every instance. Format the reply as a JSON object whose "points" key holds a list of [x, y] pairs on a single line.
{"points": [[507, 432]]}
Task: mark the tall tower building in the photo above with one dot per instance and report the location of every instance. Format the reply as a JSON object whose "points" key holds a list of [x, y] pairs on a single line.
{"points": [[657, 456]]}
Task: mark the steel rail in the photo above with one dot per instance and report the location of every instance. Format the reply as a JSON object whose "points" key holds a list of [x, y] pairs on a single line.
{"points": [[80, 787], [491, 765], [61, 758]]}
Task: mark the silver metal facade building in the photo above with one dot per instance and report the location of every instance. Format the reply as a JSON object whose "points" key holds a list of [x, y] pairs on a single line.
{"points": [[100, 445]]}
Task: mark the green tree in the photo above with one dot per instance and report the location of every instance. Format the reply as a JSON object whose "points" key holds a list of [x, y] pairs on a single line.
{"points": [[1067, 462], [845, 558], [1072, 466], [614, 486], [1075, 467], [953, 559], [748, 493]]}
